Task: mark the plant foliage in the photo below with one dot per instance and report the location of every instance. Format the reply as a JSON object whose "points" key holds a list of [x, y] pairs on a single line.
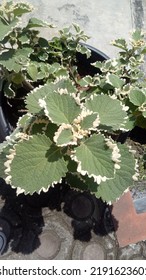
{"points": [[69, 121]]}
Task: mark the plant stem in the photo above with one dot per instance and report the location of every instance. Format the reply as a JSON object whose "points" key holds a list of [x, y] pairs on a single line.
{"points": [[28, 86]]}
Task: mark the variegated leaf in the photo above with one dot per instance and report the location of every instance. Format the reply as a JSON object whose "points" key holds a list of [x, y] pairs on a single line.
{"points": [[94, 158], [61, 108], [32, 99], [37, 164], [115, 81], [114, 188], [137, 97], [13, 60], [64, 136], [6, 29], [4, 150], [111, 112], [35, 22], [90, 122], [19, 9], [82, 183]]}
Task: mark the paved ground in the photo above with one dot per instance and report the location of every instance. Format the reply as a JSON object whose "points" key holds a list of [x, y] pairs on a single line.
{"points": [[61, 225], [64, 225]]}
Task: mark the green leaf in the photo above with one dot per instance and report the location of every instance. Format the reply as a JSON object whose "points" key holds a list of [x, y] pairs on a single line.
{"points": [[24, 122], [17, 78], [38, 164], [50, 130], [22, 55], [35, 22], [130, 123], [97, 64], [140, 121], [94, 158], [32, 71], [115, 81], [43, 70], [76, 27], [24, 38], [92, 186], [88, 122], [37, 125], [61, 108], [82, 183], [4, 150], [110, 110], [62, 72], [7, 59], [71, 165], [32, 99], [21, 8], [137, 35], [112, 189], [64, 136], [66, 84], [84, 50], [137, 97], [43, 42], [54, 68], [5, 147], [6, 29], [144, 114], [86, 81], [13, 60], [75, 181], [120, 43], [43, 56]]}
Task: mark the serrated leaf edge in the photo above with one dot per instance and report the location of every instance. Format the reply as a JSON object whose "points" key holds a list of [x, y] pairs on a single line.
{"points": [[98, 179], [8, 178], [115, 152], [123, 107], [58, 132], [11, 29], [135, 177], [108, 80]]}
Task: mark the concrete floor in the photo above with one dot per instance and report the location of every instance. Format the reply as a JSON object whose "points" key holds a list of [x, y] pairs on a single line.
{"points": [[47, 227]]}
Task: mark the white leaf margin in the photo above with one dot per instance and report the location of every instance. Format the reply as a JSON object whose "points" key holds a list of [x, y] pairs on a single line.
{"points": [[135, 177], [124, 108], [98, 179], [8, 178], [115, 152], [108, 79], [59, 131], [84, 113], [77, 131]]}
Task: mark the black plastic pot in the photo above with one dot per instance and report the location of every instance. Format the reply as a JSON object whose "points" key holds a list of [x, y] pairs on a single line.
{"points": [[84, 64], [85, 68], [5, 128]]}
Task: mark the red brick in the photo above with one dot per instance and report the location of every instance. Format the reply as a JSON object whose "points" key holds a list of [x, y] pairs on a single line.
{"points": [[130, 227]]}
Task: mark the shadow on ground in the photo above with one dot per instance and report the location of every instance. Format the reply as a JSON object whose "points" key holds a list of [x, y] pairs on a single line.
{"points": [[21, 217]]}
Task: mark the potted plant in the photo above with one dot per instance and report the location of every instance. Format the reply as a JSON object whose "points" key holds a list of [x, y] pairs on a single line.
{"points": [[65, 120]]}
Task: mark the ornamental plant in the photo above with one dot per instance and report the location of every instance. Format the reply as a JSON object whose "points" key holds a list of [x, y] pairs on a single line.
{"points": [[65, 124]]}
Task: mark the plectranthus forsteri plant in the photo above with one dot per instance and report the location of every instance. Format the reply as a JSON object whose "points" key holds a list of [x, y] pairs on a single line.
{"points": [[69, 122]]}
